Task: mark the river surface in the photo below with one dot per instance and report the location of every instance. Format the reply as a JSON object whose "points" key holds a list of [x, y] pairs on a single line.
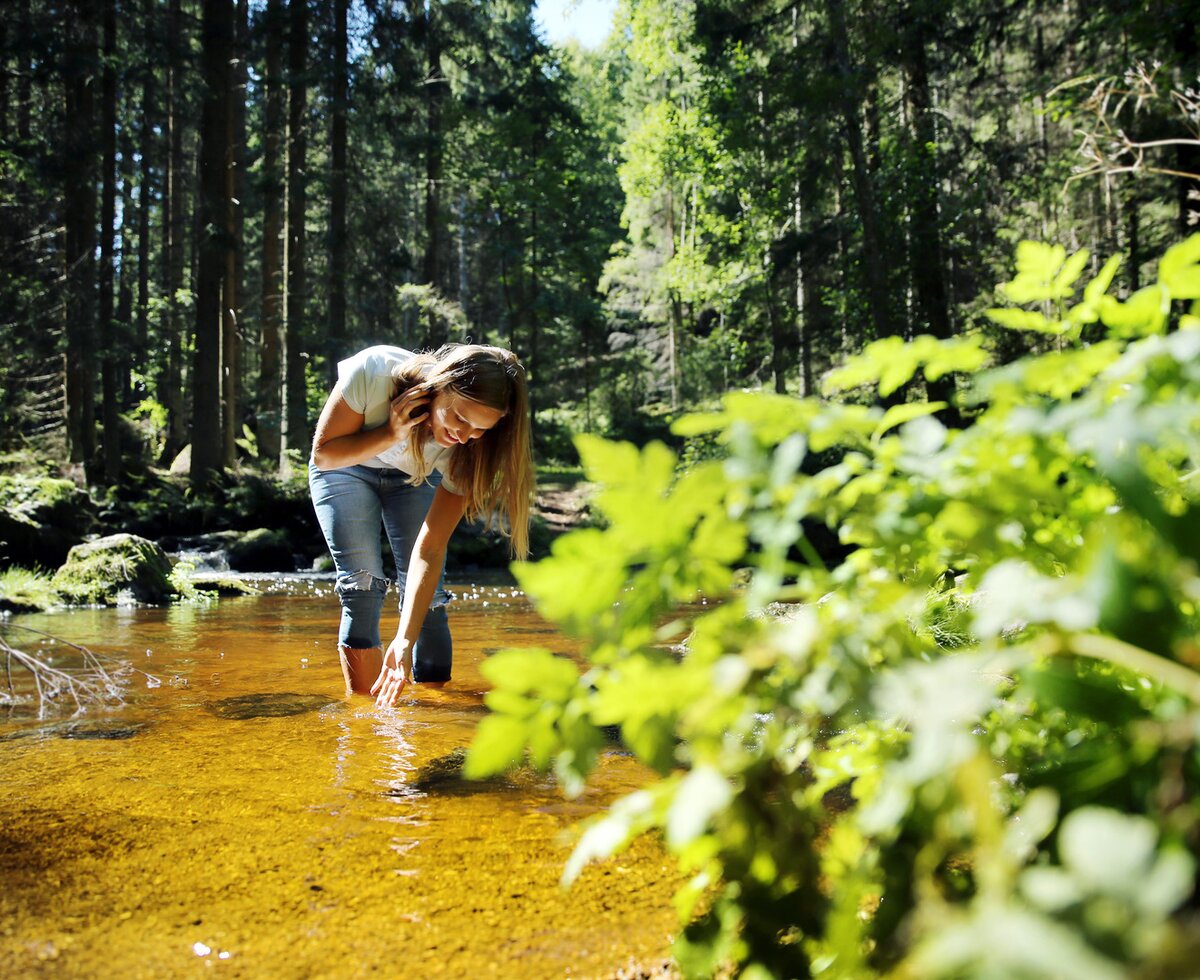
{"points": [[201, 829]]}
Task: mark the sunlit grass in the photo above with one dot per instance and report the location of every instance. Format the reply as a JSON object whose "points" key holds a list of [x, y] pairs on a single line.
{"points": [[24, 589], [554, 473]]}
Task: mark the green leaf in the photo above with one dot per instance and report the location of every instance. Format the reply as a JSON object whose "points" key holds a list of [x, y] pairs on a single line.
{"points": [[532, 671], [498, 745], [869, 366], [1143, 314], [700, 795], [1038, 268], [1024, 320], [1099, 286], [1064, 282], [1178, 270], [899, 414]]}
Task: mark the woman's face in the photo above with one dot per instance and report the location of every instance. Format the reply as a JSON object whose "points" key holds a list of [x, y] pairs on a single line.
{"points": [[455, 420]]}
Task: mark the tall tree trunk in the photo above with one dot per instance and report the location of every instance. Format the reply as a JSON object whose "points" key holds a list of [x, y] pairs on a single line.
{"points": [[295, 434], [928, 262], [171, 388], [129, 223], [110, 396], [5, 88], [213, 213], [141, 342], [25, 76], [337, 195], [850, 95], [812, 260], [231, 307], [435, 93], [79, 219], [533, 363], [270, 377]]}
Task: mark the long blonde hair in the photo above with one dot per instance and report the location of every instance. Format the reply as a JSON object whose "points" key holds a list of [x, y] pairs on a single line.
{"points": [[495, 471]]}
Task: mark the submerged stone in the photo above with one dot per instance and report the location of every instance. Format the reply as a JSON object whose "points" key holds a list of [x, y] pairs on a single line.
{"points": [[443, 771], [79, 730], [101, 731], [275, 705], [444, 775]]}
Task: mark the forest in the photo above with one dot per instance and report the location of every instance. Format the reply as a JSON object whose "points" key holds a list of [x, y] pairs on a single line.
{"points": [[208, 205], [874, 329]]}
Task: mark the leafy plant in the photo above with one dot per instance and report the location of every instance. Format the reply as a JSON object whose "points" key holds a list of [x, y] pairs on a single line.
{"points": [[186, 590], [969, 747]]}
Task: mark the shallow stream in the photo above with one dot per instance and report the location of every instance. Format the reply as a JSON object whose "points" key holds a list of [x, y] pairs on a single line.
{"points": [[239, 816]]}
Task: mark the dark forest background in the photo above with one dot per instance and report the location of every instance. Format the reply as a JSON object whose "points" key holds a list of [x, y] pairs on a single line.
{"points": [[207, 204]]}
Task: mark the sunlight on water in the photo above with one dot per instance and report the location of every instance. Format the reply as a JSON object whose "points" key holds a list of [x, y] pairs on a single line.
{"points": [[239, 815]]}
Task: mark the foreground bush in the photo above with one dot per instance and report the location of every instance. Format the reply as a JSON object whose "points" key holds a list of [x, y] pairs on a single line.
{"points": [[969, 748]]}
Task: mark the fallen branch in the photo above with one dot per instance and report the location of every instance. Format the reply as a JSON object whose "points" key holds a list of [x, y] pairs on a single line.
{"points": [[91, 682]]}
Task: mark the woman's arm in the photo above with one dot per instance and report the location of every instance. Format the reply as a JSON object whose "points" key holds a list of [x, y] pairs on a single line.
{"points": [[340, 439], [424, 569]]}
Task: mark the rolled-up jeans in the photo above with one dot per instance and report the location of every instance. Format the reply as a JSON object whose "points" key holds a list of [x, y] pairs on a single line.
{"points": [[352, 504]]}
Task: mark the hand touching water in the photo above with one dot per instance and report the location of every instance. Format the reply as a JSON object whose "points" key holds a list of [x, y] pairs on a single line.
{"points": [[394, 675]]}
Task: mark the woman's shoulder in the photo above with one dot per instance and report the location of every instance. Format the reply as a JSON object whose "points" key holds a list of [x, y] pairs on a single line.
{"points": [[380, 359]]}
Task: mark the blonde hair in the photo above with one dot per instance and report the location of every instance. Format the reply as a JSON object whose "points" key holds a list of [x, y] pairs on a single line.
{"points": [[495, 471]]}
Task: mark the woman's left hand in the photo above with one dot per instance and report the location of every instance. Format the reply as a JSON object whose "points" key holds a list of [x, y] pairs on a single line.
{"points": [[393, 677]]}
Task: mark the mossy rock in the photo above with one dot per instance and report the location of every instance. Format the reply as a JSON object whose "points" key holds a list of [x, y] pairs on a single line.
{"points": [[101, 572], [262, 550], [41, 518]]}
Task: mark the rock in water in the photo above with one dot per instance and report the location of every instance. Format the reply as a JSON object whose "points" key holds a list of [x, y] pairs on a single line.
{"points": [[100, 571], [90, 731], [279, 705], [262, 550], [440, 773]]}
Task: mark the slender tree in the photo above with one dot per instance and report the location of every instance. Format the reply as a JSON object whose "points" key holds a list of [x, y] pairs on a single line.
{"points": [[213, 213], [147, 154], [295, 433], [171, 388], [231, 307], [79, 173], [851, 103], [337, 191], [927, 255], [110, 395], [270, 377]]}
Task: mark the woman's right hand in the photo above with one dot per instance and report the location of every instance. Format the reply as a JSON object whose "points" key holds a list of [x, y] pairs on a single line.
{"points": [[393, 676], [408, 410]]}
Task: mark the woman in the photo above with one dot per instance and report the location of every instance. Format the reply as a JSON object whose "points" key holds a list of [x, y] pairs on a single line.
{"points": [[414, 442]]}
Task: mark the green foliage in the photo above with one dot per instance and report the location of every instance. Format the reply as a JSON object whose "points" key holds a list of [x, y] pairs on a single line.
{"points": [[186, 590], [23, 590], [972, 746]]}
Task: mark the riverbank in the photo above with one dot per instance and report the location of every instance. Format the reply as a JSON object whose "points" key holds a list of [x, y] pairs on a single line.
{"points": [[248, 523]]}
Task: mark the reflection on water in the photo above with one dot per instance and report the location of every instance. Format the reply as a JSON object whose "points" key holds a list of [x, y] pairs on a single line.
{"points": [[239, 815]]}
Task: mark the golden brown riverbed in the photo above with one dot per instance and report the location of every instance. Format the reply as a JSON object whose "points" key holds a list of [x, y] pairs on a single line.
{"points": [[186, 834]]}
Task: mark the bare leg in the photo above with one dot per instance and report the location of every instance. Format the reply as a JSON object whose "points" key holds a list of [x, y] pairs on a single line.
{"points": [[360, 668]]}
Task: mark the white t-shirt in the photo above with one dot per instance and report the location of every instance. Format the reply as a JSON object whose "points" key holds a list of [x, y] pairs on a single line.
{"points": [[365, 381]]}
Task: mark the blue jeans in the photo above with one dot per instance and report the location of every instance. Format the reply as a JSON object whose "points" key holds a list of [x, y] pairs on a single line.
{"points": [[352, 504]]}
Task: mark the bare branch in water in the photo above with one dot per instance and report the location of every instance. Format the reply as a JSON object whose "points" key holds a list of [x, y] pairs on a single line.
{"points": [[92, 681]]}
